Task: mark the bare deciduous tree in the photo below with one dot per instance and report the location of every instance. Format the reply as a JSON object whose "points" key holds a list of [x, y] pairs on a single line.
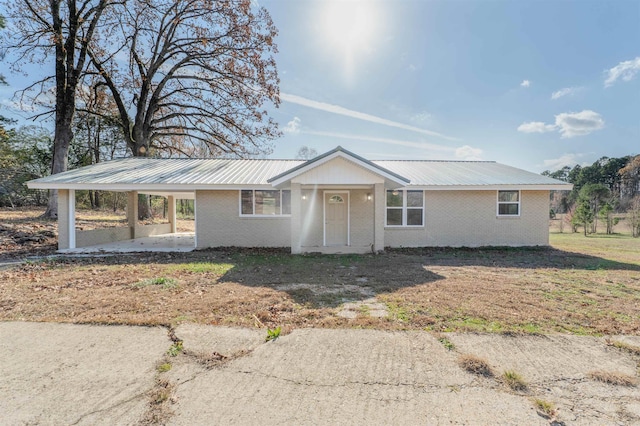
{"points": [[198, 73], [306, 153], [62, 29]]}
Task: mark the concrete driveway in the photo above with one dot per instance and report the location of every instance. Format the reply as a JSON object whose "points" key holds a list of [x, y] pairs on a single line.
{"points": [[82, 374]]}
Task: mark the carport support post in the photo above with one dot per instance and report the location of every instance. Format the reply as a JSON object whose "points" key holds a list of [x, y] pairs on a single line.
{"points": [[378, 215], [296, 218], [132, 212], [66, 219], [172, 212]]}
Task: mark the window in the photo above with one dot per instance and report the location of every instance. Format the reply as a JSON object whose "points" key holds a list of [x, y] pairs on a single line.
{"points": [[405, 208], [508, 203], [260, 202]]}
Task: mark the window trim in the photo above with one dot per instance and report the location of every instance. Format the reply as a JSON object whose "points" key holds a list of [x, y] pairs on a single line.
{"points": [[253, 204], [404, 209], [518, 203]]}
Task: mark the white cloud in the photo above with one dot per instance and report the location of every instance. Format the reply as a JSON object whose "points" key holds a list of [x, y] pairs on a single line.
{"points": [[18, 106], [626, 71], [468, 153], [335, 109], [564, 160], [293, 127], [525, 83], [536, 127], [567, 91], [580, 123], [411, 144], [420, 117], [569, 124]]}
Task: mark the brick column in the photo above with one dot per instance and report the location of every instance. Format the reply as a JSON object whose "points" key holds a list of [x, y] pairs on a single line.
{"points": [[296, 218]]}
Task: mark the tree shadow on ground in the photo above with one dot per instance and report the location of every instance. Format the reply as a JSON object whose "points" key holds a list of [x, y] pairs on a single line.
{"points": [[328, 280], [513, 257]]}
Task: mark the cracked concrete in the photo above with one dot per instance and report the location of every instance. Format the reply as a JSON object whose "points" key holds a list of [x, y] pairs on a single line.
{"points": [[84, 374], [76, 374]]}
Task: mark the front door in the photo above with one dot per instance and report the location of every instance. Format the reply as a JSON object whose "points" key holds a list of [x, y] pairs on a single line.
{"points": [[336, 218]]}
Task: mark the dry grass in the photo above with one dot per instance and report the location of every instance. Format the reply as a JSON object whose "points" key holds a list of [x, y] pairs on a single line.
{"points": [[623, 346], [514, 380], [506, 290], [545, 408], [160, 399], [613, 378], [475, 365]]}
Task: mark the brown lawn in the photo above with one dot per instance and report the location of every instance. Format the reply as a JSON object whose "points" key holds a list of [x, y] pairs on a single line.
{"points": [[580, 285]]}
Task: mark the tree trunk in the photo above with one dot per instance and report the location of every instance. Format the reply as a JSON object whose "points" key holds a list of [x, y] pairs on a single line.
{"points": [[59, 162], [144, 207]]}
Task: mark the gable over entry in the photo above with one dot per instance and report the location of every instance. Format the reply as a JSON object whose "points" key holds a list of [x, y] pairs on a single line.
{"points": [[337, 202]]}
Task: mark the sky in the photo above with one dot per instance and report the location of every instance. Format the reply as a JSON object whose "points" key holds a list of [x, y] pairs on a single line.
{"points": [[534, 84]]}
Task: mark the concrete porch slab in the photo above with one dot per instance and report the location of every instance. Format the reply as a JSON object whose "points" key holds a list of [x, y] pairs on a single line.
{"points": [[178, 242]]}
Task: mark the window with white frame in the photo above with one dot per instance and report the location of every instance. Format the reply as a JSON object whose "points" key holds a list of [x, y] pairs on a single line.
{"points": [[508, 203], [265, 202], [405, 208]]}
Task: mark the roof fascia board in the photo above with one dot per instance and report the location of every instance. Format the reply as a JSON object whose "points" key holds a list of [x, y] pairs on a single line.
{"points": [[523, 187], [144, 187]]}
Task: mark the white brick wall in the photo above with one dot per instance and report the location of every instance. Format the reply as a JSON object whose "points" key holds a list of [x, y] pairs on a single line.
{"points": [[452, 218], [218, 224], [468, 218]]}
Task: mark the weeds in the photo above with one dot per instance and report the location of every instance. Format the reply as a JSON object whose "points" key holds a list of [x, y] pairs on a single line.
{"points": [[163, 282], [273, 334], [548, 409], [448, 344], [475, 365], [175, 349], [514, 381], [633, 350], [164, 367], [613, 378], [161, 392]]}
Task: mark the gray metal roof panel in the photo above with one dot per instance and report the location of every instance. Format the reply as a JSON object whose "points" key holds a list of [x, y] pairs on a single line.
{"points": [[464, 173], [134, 171], [174, 171]]}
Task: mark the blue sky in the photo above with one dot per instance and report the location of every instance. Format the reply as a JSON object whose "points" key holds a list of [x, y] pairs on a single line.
{"points": [[534, 84]]}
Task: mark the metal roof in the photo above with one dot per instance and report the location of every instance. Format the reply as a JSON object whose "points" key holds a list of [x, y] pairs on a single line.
{"points": [[464, 173], [191, 174], [172, 171]]}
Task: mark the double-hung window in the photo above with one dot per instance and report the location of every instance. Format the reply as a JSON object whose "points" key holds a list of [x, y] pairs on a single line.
{"points": [[405, 208], [269, 202], [508, 203]]}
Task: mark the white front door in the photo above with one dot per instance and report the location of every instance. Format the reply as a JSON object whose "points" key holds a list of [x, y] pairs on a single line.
{"points": [[336, 218]]}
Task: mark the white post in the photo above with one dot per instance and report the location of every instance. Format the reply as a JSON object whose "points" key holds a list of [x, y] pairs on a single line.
{"points": [[379, 205], [296, 218], [195, 219], [172, 212], [72, 218]]}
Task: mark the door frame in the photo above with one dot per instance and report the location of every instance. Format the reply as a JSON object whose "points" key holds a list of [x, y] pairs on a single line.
{"points": [[324, 214]]}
